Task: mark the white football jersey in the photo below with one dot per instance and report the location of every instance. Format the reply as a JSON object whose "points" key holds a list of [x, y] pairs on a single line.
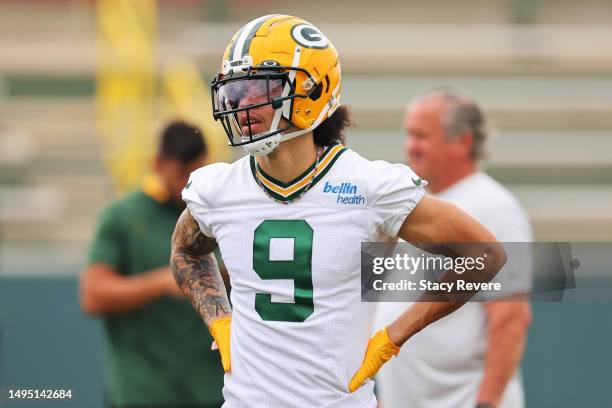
{"points": [[299, 330]]}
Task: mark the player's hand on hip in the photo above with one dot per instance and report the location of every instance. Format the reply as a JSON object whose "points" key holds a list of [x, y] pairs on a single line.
{"points": [[220, 330], [380, 350]]}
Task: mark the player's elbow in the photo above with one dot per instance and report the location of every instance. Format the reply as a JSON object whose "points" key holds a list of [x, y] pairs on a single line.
{"points": [[88, 300], [90, 307], [496, 257], [492, 256]]}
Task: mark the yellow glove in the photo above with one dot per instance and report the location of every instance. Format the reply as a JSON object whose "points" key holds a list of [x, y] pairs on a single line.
{"points": [[220, 330], [380, 350]]}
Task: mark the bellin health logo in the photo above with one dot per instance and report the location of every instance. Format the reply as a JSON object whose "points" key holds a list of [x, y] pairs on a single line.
{"points": [[347, 193]]}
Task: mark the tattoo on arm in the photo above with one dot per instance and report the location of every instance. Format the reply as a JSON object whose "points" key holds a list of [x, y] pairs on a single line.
{"points": [[196, 271]]}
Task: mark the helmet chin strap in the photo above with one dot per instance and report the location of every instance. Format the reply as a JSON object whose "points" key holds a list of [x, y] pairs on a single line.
{"points": [[264, 146]]}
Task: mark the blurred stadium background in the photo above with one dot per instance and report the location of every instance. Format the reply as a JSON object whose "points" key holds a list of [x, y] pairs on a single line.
{"points": [[85, 85]]}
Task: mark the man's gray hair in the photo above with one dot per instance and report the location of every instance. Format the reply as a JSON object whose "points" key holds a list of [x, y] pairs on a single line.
{"points": [[463, 115]]}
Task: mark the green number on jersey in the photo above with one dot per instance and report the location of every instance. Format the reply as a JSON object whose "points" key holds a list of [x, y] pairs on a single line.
{"points": [[299, 269]]}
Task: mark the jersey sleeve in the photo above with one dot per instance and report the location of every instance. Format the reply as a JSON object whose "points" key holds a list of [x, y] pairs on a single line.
{"points": [[194, 195], [395, 191], [108, 241]]}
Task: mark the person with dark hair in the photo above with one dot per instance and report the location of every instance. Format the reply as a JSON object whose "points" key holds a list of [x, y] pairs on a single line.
{"points": [[182, 141], [181, 150], [128, 283], [289, 219], [331, 130]]}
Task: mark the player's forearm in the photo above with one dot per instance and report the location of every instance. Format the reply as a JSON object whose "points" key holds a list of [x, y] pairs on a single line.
{"points": [[442, 228], [425, 311], [199, 278], [506, 340], [196, 271], [105, 292], [417, 317]]}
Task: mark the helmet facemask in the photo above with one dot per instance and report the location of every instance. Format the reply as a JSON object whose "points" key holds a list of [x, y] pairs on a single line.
{"points": [[238, 92]]}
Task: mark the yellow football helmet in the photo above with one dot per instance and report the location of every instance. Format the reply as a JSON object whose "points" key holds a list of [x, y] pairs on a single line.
{"points": [[282, 61]]}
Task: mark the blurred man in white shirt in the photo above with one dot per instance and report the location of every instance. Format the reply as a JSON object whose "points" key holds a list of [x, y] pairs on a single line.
{"points": [[470, 359]]}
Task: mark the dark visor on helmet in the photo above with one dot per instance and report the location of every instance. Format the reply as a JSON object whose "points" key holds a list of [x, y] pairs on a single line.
{"points": [[242, 102]]}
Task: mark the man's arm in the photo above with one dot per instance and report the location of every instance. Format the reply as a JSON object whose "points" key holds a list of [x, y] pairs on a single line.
{"points": [[432, 224], [196, 272], [105, 291], [103, 288], [438, 222], [508, 322]]}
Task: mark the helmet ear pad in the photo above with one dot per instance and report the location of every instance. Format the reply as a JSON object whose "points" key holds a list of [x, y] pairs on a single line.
{"points": [[313, 96]]}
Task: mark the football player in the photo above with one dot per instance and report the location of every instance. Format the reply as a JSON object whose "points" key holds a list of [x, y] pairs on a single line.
{"points": [[289, 219]]}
